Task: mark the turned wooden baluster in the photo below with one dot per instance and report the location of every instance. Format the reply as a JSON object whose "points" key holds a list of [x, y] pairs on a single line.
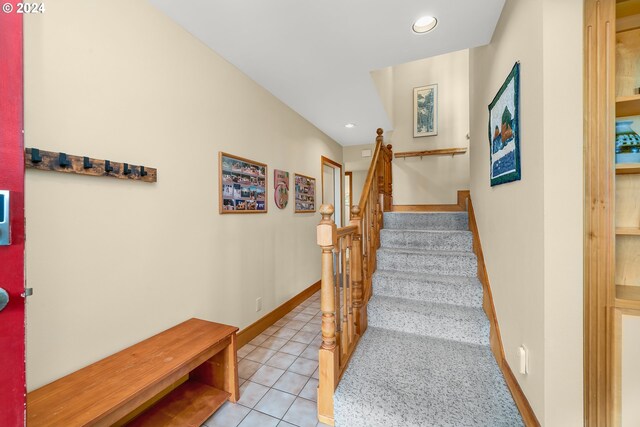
{"points": [[357, 295], [348, 291], [328, 355]]}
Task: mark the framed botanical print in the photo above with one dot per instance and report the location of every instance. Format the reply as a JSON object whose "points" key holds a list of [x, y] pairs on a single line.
{"points": [[425, 111]]}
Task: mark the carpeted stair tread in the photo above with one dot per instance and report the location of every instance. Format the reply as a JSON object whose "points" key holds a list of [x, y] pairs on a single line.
{"points": [[446, 321], [397, 379], [447, 240], [426, 221], [460, 263], [458, 290]]}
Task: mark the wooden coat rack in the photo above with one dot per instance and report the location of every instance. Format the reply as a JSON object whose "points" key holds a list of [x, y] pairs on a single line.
{"points": [[62, 162]]}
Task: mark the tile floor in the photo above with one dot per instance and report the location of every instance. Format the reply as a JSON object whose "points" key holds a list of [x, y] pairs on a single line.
{"points": [[278, 373]]}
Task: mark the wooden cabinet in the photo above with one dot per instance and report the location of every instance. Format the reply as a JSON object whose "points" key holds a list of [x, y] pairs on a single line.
{"points": [[627, 181]]}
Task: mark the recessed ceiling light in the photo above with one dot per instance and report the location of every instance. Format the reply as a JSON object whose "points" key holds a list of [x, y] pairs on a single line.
{"points": [[349, 125], [424, 24]]}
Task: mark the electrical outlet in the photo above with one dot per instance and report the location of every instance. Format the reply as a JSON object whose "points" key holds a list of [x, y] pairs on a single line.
{"points": [[523, 355], [259, 304]]}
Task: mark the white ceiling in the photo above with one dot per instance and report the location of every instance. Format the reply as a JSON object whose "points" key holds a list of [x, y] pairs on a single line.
{"points": [[316, 55]]}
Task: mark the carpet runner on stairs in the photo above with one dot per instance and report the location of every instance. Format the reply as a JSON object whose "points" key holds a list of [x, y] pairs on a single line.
{"points": [[425, 358]]}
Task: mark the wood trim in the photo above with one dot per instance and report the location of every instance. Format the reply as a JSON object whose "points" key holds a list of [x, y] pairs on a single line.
{"points": [[528, 416], [332, 163], [439, 152], [463, 195], [257, 327], [599, 201], [221, 184], [350, 175]]}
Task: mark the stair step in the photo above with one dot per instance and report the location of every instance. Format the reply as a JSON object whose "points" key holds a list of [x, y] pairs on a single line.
{"points": [[443, 240], [446, 321], [456, 290], [404, 380], [430, 262], [426, 221]]}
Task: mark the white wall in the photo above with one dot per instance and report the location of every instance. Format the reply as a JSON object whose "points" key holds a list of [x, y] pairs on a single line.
{"points": [[531, 230], [113, 261], [431, 180]]}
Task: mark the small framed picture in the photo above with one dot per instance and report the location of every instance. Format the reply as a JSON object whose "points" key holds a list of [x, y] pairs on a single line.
{"points": [[425, 111], [243, 185], [305, 193]]}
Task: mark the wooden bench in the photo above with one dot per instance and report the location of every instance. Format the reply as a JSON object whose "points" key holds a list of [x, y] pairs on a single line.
{"points": [[198, 356]]}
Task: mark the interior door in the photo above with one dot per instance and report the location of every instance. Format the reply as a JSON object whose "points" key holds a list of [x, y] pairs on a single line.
{"points": [[12, 344], [332, 191]]}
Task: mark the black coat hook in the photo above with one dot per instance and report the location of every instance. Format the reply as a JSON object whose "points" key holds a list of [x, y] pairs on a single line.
{"points": [[127, 169], [107, 166], [143, 172], [87, 163], [35, 156], [64, 162]]}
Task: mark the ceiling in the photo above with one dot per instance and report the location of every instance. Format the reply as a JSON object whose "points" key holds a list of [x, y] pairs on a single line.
{"points": [[316, 56]]}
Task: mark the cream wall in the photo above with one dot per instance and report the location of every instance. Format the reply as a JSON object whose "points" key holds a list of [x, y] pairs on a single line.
{"points": [[436, 179], [531, 230], [112, 262]]}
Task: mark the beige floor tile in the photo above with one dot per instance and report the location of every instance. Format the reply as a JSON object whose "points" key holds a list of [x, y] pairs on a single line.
{"points": [[303, 366], [280, 323], [260, 355], [295, 348], [316, 374], [267, 375], [310, 328], [303, 317], [273, 343], [245, 349], [275, 403], [310, 390], [258, 419], [281, 360], [259, 339], [229, 415], [285, 333], [295, 324], [251, 393], [311, 352], [271, 330], [291, 382], [304, 337], [302, 413], [246, 368]]}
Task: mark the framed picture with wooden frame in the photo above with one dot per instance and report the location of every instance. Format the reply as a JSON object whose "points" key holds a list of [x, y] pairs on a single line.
{"points": [[305, 193], [242, 185]]}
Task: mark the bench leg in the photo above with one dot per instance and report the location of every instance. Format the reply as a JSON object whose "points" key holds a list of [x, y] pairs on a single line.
{"points": [[221, 371]]}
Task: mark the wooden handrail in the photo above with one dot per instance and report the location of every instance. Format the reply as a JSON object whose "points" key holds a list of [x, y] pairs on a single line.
{"points": [[348, 264], [439, 152]]}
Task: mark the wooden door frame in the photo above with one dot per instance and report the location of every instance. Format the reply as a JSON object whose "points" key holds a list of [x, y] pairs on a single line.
{"points": [[599, 208], [335, 165], [350, 175]]}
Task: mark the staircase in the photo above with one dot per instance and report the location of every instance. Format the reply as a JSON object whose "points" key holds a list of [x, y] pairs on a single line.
{"points": [[425, 358]]}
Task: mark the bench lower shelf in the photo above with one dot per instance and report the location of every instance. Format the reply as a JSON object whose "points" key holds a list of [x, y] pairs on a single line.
{"points": [[188, 405]]}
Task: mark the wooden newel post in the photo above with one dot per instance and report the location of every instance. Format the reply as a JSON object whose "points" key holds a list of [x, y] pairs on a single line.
{"points": [[328, 370], [359, 309]]}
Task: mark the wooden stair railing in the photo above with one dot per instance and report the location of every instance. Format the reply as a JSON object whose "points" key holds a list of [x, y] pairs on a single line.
{"points": [[348, 264]]}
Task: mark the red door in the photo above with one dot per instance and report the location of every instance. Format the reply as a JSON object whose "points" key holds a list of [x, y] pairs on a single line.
{"points": [[12, 362]]}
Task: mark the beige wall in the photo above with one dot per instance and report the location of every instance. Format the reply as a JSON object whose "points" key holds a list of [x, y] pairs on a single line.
{"points": [[531, 230], [431, 180], [112, 262]]}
